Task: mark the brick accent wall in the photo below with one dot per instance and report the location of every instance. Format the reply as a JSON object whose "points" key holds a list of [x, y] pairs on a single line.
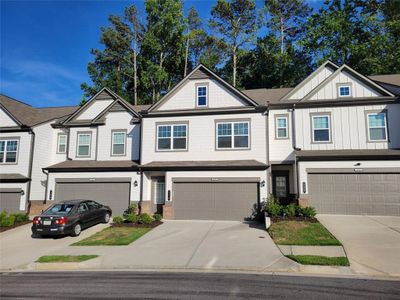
{"points": [[36, 207], [146, 207], [303, 202], [168, 212]]}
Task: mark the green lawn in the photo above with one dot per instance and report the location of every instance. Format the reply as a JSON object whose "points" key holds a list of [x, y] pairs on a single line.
{"points": [[320, 260], [301, 233], [64, 258], [113, 236]]}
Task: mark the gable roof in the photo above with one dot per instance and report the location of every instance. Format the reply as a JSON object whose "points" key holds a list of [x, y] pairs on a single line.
{"points": [[265, 96], [26, 115], [393, 79], [201, 72], [354, 73]]}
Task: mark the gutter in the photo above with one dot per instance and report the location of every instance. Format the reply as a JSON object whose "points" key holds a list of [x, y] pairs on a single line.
{"points": [[32, 149]]}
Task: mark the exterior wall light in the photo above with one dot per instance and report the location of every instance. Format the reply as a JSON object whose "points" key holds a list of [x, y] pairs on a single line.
{"points": [[135, 183], [262, 183]]}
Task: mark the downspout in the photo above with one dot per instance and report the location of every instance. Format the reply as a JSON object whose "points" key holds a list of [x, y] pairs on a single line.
{"points": [[47, 185], [140, 161], [295, 149], [68, 142], [28, 192], [97, 143], [266, 114]]}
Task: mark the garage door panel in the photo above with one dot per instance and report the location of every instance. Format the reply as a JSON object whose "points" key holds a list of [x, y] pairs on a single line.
{"points": [[374, 194], [9, 201], [114, 194]]}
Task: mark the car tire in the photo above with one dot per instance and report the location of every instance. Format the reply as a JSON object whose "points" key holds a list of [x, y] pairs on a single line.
{"points": [[106, 218], [76, 229]]}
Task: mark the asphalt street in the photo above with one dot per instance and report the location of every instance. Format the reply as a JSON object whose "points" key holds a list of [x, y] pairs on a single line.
{"points": [[156, 285]]}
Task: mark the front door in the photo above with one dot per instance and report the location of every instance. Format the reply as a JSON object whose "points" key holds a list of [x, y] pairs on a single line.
{"points": [[281, 185], [159, 193]]}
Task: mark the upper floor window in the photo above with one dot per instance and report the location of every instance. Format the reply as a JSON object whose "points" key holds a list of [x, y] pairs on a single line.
{"points": [[84, 141], [233, 135], [62, 143], [321, 128], [172, 137], [281, 127], [9, 150], [344, 90], [377, 130], [118, 143], [202, 95]]}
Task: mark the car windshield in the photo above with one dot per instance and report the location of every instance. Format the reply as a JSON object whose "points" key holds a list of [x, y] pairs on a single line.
{"points": [[59, 209]]}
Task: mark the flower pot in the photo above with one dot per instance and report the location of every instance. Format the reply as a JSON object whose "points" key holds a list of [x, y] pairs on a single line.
{"points": [[267, 221]]}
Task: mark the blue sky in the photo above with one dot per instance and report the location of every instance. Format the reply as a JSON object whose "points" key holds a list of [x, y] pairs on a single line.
{"points": [[45, 46]]}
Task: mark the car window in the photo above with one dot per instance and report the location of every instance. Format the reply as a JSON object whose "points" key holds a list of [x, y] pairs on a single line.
{"points": [[93, 205], [59, 209], [83, 207]]}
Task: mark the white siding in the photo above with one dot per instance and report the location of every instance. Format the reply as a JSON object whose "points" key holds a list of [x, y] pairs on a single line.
{"points": [[73, 139], [24, 147], [358, 88], [5, 120], [280, 149], [348, 128], [313, 81], [185, 97], [341, 164], [201, 139], [119, 120], [94, 109]]}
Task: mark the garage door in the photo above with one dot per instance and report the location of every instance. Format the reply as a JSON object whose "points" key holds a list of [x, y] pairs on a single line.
{"points": [[113, 194], [214, 201], [10, 199], [355, 194]]}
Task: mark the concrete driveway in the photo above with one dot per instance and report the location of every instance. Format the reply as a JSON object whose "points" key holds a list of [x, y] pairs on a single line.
{"points": [[18, 248], [372, 243], [216, 245]]}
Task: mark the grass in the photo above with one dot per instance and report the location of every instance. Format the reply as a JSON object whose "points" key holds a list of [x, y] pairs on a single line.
{"points": [[320, 260], [301, 233], [113, 236], [64, 258]]}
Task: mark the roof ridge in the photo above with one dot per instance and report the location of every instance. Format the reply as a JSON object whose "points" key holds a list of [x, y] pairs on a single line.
{"points": [[11, 98]]}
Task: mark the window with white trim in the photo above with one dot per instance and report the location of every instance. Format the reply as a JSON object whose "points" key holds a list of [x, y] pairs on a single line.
{"points": [[118, 143], [233, 135], [377, 129], [321, 131], [9, 151], [344, 90], [62, 143], [281, 125], [84, 141], [202, 96], [172, 137]]}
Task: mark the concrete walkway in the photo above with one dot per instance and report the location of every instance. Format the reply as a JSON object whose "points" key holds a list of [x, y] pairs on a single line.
{"points": [[372, 243]]}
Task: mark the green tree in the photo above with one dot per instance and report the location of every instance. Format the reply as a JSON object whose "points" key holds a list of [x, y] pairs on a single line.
{"points": [[193, 31], [236, 22]]}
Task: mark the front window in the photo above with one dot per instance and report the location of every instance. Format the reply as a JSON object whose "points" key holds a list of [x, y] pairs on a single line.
{"points": [[8, 151], [172, 137], [344, 91], [118, 143], [233, 135], [84, 140], [202, 96], [321, 128], [62, 143], [377, 130], [281, 128]]}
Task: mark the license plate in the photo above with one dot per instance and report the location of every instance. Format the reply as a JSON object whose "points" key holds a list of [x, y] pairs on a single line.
{"points": [[53, 229], [46, 222]]}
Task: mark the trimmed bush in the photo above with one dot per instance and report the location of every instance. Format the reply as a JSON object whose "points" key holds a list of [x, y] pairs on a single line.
{"points": [[309, 212], [157, 217], [131, 218], [132, 210], [3, 215], [118, 220], [272, 206], [145, 219], [290, 210], [7, 221], [21, 217]]}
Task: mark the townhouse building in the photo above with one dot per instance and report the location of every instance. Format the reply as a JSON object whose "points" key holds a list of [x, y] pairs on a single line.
{"points": [[209, 151]]}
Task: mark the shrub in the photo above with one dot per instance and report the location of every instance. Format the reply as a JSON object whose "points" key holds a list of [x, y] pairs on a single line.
{"points": [[3, 215], [131, 210], [157, 217], [272, 206], [7, 221], [145, 219], [290, 210], [131, 218], [118, 220], [21, 217], [309, 212]]}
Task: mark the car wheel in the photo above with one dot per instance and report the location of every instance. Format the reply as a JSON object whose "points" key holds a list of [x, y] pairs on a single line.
{"points": [[76, 229], [106, 218]]}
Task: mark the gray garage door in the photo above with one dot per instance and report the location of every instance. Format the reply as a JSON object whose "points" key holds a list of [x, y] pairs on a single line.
{"points": [[214, 201], [10, 199], [355, 194], [113, 194]]}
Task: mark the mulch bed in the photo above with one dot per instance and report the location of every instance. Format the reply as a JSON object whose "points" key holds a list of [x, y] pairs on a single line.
{"points": [[136, 225], [2, 229], [278, 219]]}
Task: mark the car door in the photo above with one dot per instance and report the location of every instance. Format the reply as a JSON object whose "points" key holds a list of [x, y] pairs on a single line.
{"points": [[85, 217], [96, 212]]}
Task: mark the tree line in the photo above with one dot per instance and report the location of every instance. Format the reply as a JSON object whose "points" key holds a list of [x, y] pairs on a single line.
{"points": [[146, 53]]}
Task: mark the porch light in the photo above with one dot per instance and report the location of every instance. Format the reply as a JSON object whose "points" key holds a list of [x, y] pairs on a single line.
{"points": [[135, 183], [262, 183]]}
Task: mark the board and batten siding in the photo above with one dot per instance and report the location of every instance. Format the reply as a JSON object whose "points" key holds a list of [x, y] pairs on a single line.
{"points": [[5, 120], [202, 141], [280, 149], [348, 128], [119, 121], [185, 96]]}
